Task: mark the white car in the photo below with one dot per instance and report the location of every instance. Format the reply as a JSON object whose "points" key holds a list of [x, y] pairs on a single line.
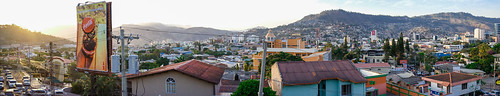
{"points": [[58, 93], [12, 83], [26, 82], [38, 92]]}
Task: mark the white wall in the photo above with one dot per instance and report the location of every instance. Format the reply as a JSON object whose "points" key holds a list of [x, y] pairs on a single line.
{"points": [[457, 90]]}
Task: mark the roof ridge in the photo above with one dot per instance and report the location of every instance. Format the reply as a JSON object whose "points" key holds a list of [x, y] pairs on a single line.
{"points": [[186, 62]]}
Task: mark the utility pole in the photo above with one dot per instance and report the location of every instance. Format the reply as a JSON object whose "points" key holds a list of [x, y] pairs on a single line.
{"points": [[29, 62], [122, 38], [51, 68], [263, 69]]}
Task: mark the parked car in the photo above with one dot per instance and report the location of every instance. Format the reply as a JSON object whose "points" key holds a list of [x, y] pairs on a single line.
{"points": [[38, 92], [58, 93], [1, 86], [19, 84], [9, 92], [26, 77], [1, 79], [18, 91], [26, 82], [12, 83]]}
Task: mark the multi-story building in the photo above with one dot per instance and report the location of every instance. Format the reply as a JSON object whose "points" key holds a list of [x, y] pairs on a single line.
{"points": [[376, 85], [373, 55], [479, 34], [272, 42], [453, 84]]}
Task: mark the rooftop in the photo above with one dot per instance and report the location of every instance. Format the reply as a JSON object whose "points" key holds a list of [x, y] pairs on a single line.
{"points": [[370, 65], [288, 50], [193, 68], [452, 78], [301, 73]]}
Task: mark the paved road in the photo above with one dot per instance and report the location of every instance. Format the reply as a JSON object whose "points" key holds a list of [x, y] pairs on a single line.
{"points": [[490, 81]]}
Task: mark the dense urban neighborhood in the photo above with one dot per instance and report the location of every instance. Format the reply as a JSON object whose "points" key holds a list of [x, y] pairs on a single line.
{"points": [[332, 53]]}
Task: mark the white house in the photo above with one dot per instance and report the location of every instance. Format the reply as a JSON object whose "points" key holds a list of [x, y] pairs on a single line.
{"points": [[453, 84]]}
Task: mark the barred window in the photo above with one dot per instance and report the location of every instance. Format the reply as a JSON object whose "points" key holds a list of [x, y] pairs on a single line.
{"points": [[170, 85]]}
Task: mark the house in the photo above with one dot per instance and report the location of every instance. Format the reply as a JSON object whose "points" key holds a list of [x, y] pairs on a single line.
{"points": [[373, 55], [317, 78], [408, 80], [377, 67], [453, 84], [188, 78], [445, 68], [376, 82]]}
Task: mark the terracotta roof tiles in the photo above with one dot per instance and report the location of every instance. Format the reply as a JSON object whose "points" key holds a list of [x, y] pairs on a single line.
{"points": [[193, 68]]}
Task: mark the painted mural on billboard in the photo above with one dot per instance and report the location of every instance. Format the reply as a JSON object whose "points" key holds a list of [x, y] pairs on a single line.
{"points": [[92, 51]]}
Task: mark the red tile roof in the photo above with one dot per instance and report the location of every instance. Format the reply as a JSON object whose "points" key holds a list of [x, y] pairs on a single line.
{"points": [[193, 68], [301, 73], [370, 65], [452, 78]]}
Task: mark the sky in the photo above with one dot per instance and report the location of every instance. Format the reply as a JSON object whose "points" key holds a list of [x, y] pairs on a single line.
{"points": [[57, 16]]}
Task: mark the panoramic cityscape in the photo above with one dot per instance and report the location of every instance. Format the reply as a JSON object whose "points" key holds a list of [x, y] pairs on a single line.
{"points": [[250, 48]]}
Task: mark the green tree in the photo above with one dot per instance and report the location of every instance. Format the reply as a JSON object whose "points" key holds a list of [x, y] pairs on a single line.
{"points": [[162, 61], [104, 85], [387, 49], [496, 47], [181, 58], [281, 56], [394, 48], [251, 88], [148, 66]]}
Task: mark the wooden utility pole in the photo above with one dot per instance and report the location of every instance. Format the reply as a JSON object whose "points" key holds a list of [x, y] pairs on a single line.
{"points": [[51, 76]]}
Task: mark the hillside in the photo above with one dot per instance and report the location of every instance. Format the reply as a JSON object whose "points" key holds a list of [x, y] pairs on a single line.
{"points": [[148, 36], [339, 23], [13, 34]]}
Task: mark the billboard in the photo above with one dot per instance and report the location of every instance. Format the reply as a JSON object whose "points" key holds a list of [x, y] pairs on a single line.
{"points": [[93, 37]]}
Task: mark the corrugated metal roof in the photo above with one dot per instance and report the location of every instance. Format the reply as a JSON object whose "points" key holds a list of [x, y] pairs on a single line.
{"points": [[370, 65], [300, 72], [193, 68]]}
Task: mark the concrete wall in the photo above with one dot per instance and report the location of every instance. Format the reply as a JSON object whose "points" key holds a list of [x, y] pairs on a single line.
{"points": [[471, 87], [384, 70], [300, 90], [380, 84], [333, 88], [154, 85], [276, 84]]}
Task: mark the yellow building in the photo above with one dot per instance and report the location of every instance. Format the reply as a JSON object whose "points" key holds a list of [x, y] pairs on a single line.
{"points": [[292, 46], [283, 43], [306, 54]]}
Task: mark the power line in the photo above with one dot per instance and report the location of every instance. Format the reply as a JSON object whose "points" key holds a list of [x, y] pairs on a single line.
{"points": [[160, 31]]}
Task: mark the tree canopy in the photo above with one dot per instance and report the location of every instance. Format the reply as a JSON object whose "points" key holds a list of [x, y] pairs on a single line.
{"points": [[251, 88]]}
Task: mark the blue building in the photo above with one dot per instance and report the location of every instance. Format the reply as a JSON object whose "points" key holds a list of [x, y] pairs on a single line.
{"points": [[317, 78]]}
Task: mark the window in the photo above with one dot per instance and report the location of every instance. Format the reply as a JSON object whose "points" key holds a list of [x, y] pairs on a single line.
{"points": [[170, 85], [371, 83], [346, 90], [439, 85], [464, 86]]}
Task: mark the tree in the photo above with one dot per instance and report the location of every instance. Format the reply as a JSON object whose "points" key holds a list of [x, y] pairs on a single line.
{"points": [[181, 58], [387, 49], [393, 48], [496, 47], [104, 85], [281, 56], [407, 46], [162, 61], [148, 66], [251, 88]]}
